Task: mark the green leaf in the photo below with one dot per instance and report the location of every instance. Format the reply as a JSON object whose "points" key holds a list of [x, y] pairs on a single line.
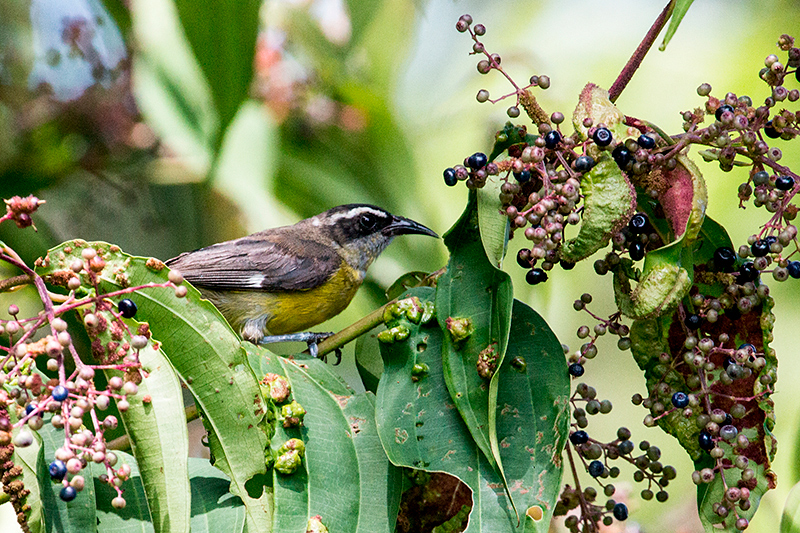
{"points": [[169, 85], [77, 516], [533, 414], [420, 428], [346, 477], [492, 222], [135, 517], [214, 508], [473, 289], [207, 355], [222, 35], [368, 359], [31, 459], [790, 519], [510, 135], [159, 438], [678, 12]]}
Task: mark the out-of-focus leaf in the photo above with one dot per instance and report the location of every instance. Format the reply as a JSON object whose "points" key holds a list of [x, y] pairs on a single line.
{"points": [[678, 12], [790, 519], [206, 354], [472, 289], [403, 283], [222, 34], [170, 87], [345, 477]]}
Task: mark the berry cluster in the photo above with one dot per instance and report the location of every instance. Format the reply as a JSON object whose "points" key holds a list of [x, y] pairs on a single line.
{"points": [[602, 326], [70, 398], [594, 456]]}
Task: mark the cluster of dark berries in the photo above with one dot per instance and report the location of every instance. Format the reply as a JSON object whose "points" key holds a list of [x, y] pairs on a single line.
{"points": [[589, 349], [595, 457]]}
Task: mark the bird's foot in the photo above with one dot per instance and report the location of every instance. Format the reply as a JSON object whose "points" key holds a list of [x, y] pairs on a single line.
{"points": [[309, 337]]}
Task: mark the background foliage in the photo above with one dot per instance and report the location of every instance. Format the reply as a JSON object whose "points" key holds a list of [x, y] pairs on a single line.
{"points": [[366, 107]]}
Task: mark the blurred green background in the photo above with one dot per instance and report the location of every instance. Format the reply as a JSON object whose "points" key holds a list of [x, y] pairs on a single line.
{"points": [[165, 126]]}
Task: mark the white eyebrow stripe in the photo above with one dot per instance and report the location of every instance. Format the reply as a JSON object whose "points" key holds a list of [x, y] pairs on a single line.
{"points": [[356, 212]]}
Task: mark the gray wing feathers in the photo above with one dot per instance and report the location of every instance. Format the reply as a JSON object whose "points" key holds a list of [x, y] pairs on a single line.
{"points": [[253, 263]]}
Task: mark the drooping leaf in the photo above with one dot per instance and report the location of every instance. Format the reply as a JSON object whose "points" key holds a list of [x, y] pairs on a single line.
{"points": [[30, 458], [790, 519], [492, 222], [222, 35], [474, 292], [214, 508], [678, 12]]}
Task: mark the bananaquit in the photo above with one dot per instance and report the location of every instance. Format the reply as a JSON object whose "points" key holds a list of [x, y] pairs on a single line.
{"points": [[285, 280]]}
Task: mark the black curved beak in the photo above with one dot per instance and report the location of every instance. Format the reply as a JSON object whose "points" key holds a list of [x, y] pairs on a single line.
{"points": [[406, 226]]}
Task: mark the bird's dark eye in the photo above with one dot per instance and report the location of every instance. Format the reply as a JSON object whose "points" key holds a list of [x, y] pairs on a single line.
{"points": [[368, 221]]}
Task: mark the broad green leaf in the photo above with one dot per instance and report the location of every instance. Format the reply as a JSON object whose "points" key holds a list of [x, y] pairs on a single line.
{"points": [[159, 438], [420, 427], [214, 508], [510, 135], [77, 516], [473, 289], [533, 414], [678, 12], [30, 459], [222, 35], [207, 355], [345, 477], [790, 519], [492, 222], [135, 517]]}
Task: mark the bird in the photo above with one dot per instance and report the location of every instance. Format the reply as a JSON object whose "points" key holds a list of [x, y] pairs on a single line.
{"points": [[274, 284]]}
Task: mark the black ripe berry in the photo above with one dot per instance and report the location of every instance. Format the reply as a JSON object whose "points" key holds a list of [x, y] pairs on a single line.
{"points": [[622, 156], [450, 177], [477, 160], [127, 308], [523, 176], [68, 493], [620, 511], [680, 399], [760, 248], [576, 370], [579, 437], [584, 163], [646, 142], [602, 136], [794, 269], [551, 139], [60, 393], [57, 470], [636, 251], [721, 109], [747, 272], [705, 440], [724, 258], [771, 132], [638, 223], [693, 321], [566, 265], [535, 276], [595, 468], [784, 183]]}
